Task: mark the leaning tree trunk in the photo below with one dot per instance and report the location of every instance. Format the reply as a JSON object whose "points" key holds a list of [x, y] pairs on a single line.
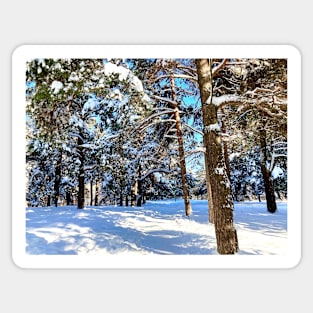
{"points": [[179, 133], [81, 175], [226, 236], [267, 177]]}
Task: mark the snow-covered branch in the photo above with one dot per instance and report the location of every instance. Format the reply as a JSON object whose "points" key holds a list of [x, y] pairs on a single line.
{"points": [[227, 99], [199, 150], [151, 117], [156, 122], [171, 102], [217, 68], [156, 170], [194, 129]]}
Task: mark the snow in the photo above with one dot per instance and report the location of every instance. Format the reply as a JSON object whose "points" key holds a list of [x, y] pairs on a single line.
{"points": [[157, 228], [110, 69], [90, 105], [74, 77], [213, 127], [123, 74], [277, 171], [56, 86]]}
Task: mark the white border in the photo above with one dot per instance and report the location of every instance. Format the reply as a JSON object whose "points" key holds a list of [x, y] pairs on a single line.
{"points": [[26, 52]]}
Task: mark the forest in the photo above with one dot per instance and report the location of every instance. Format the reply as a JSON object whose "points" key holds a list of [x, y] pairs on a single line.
{"points": [[124, 131]]}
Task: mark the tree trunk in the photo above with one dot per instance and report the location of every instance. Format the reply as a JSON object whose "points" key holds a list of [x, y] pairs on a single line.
{"points": [[139, 184], [97, 194], [81, 175], [57, 180], [208, 186], [48, 200], [268, 180], [134, 194], [68, 198], [226, 236], [121, 198], [91, 193], [225, 146], [144, 197], [188, 209]]}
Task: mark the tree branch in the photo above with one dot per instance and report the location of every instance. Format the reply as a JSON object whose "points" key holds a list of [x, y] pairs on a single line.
{"points": [[217, 68]]}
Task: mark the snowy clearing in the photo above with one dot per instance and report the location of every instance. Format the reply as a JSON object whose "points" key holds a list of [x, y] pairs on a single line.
{"points": [[159, 227]]}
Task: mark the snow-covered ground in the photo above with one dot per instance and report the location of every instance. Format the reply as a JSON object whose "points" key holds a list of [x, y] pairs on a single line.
{"points": [[159, 227]]}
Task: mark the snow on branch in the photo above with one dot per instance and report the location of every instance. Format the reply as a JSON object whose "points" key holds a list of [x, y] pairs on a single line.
{"points": [[259, 90], [156, 170], [226, 99], [76, 135], [217, 68], [171, 136], [194, 129], [156, 122], [199, 150], [151, 117], [213, 127], [171, 102], [264, 104]]}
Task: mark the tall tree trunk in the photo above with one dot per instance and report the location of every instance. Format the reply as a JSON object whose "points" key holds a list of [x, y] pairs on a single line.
{"points": [[121, 197], [268, 180], [68, 198], [91, 193], [208, 185], [225, 146], [81, 175], [97, 193], [48, 200], [144, 197], [188, 209], [57, 179], [134, 191], [226, 236], [139, 196]]}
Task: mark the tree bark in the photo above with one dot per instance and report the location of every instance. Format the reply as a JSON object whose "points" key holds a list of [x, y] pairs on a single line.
{"points": [[121, 197], [81, 175], [91, 193], [225, 146], [68, 198], [97, 193], [188, 208], [139, 184], [267, 178], [48, 200], [226, 236], [57, 180], [134, 191]]}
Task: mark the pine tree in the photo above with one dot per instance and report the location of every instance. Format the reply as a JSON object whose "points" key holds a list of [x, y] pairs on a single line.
{"points": [[226, 236]]}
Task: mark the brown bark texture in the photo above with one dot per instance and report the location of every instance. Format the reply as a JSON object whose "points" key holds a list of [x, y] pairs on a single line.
{"points": [[188, 208], [81, 176], [221, 202]]}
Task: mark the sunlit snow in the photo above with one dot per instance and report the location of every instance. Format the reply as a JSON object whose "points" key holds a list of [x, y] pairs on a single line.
{"points": [[56, 86], [159, 227]]}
